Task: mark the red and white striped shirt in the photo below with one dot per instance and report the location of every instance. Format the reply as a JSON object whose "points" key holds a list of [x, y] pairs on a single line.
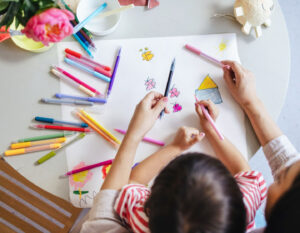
{"points": [[129, 204]]}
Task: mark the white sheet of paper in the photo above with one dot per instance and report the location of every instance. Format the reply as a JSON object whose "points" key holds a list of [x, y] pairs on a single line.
{"points": [[129, 88]]}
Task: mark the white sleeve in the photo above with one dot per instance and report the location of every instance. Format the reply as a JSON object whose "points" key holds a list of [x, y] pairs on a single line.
{"points": [[280, 154], [102, 217]]}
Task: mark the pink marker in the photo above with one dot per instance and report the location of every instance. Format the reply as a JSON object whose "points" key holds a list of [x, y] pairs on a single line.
{"points": [[211, 121], [89, 167], [96, 68], [77, 80], [153, 141], [206, 56]]}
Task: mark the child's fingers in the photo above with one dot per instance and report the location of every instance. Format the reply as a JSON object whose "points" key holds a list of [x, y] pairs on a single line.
{"points": [[211, 108], [198, 110], [229, 78], [197, 138], [160, 105]]}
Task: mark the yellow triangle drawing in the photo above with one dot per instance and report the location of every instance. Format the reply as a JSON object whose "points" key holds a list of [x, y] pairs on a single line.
{"points": [[207, 83]]}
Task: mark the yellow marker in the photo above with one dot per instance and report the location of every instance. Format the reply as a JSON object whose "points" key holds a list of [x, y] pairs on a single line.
{"points": [[100, 126], [32, 149], [37, 143]]}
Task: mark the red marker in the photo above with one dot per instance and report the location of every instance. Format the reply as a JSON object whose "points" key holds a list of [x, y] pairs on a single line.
{"points": [[57, 127], [80, 56]]}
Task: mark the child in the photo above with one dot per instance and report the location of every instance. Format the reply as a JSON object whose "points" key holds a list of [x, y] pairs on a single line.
{"points": [[194, 193], [283, 202]]}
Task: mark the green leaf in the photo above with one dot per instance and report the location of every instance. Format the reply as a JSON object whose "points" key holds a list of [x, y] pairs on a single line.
{"points": [[10, 14], [9, 1], [3, 7]]}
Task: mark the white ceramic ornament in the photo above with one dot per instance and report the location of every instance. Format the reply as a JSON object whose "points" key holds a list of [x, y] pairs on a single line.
{"points": [[253, 13]]}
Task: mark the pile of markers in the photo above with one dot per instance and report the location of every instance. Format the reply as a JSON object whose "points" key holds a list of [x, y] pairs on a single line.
{"points": [[89, 66]]}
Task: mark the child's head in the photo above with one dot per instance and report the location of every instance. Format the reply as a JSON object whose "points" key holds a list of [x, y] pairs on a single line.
{"points": [[195, 193], [283, 203]]}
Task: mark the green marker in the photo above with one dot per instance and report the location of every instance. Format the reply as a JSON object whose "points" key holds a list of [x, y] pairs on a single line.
{"points": [[44, 137], [54, 152]]}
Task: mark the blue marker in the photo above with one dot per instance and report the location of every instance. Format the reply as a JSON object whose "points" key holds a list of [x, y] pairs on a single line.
{"points": [[83, 45], [90, 99], [52, 121], [168, 84], [86, 69]]}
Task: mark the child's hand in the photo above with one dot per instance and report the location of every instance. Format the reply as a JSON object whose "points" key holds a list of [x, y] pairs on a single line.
{"points": [[212, 110], [240, 82], [186, 137], [146, 113]]}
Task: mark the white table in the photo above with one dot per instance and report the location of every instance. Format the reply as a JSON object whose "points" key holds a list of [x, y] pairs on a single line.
{"points": [[25, 78]]}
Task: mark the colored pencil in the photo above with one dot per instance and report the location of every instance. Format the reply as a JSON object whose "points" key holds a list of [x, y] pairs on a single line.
{"points": [[77, 80], [54, 152], [145, 139], [72, 82], [92, 66], [168, 84], [44, 137], [84, 119], [31, 149], [56, 101], [78, 55], [53, 121], [206, 56], [86, 69], [37, 143], [57, 127], [83, 45], [91, 99], [89, 167], [109, 134], [113, 76], [89, 18]]}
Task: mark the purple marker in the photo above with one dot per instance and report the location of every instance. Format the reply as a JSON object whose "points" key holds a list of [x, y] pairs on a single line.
{"points": [[114, 73]]}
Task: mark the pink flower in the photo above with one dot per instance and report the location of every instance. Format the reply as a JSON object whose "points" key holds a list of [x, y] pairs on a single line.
{"points": [[52, 25]]}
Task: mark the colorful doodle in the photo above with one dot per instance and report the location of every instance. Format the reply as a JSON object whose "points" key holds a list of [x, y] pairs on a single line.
{"points": [[147, 55], [150, 84], [105, 170], [78, 180], [177, 107], [174, 92], [208, 89], [222, 46]]}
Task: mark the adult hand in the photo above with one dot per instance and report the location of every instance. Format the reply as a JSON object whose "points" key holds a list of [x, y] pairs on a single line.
{"points": [[186, 137], [212, 111], [146, 113], [240, 83]]}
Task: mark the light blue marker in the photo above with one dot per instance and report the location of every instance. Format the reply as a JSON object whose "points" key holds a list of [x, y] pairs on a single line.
{"points": [[89, 18], [76, 102], [83, 45], [90, 99], [86, 69]]}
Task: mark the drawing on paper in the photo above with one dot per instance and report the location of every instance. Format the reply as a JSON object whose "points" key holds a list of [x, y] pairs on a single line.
{"points": [[78, 180], [222, 46], [147, 55], [177, 107], [105, 170], [150, 84], [84, 200], [174, 92], [208, 89]]}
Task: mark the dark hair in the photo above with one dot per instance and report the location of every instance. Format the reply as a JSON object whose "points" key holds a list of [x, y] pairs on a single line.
{"points": [[195, 193], [285, 215]]}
